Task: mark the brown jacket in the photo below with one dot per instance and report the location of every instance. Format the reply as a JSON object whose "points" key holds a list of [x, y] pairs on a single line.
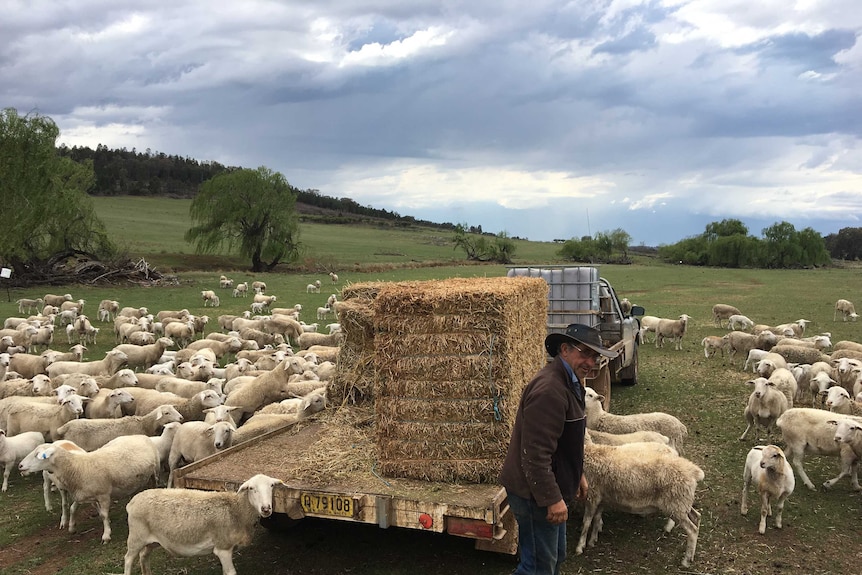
{"points": [[545, 458]]}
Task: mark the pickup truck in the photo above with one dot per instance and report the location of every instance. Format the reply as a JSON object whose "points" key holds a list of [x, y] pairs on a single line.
{"points": [[474, 510]]}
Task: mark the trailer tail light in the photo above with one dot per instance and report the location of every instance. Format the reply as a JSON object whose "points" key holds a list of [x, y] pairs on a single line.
{"points": [[473, 528]]}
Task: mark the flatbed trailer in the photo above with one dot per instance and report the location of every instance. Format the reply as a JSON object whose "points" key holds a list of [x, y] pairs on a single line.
{"points": [[472, 510]]}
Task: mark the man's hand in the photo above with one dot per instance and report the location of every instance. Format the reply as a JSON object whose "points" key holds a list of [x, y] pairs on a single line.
{"points": [[558, 512], [583, 487]]}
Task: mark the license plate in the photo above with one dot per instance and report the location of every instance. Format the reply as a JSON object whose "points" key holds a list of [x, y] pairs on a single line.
{"points": [[326, 504]]}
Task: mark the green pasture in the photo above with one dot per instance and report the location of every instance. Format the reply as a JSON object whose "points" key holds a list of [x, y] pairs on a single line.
{"points": [[153, 228], [821, 534]]}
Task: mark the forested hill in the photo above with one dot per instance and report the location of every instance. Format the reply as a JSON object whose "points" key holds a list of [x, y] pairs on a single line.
{"points": [[132, 173]]}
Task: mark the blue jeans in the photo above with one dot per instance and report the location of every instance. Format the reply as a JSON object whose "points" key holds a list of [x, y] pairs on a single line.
{"points": [[541, 545]]}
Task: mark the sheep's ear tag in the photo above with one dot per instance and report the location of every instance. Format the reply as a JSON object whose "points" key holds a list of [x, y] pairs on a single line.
{"points": [[43, 455]]}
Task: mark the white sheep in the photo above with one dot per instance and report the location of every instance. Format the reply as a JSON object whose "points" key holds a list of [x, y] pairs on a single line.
{"points": [[765, 405], [807, 431], [739, 322], [742, 342], [110, 308], [772, 475], [259, 287], [333, 327], [241, 290], [270, 387], [664, 423], [313, 287], [45, 418], [846, 309], [640, 481], [673, 329], [225, 282], [197, 439], [188, 522], [306, 340], [712, 344], [784, 381], [108, 403], [56, 300], [605, 438], [754, 356], [29, 304], [839, 401], [14, 449], [144, 356], [109, 365], [323, 312], [91, 434], [722, 312], [334, 277], [120, 468]]}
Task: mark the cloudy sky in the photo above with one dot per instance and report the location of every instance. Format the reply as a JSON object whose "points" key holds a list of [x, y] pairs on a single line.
{"points": [[543, 118]]}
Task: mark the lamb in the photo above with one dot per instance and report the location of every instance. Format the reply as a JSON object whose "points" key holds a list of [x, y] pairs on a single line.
{"points": [[45, 418], [29, 304], [109, 365], [670, 328], [197, 439], [14, 449], [323, 312], [336, 327], [118, 469], [765, 405], [846, 309], [91, 434], [754, 357], [664, 423], [722, 312], [241, 290], [712, 344], [56, 300], [197, 521], [739, 322], [806, 431], [306, 340], [313, 287], [772, 475], [642, 482], [225, 282], [334, 277]]}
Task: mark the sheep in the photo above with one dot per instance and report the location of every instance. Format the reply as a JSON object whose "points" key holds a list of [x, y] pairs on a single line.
{"points": [[741, 342], [334, 277], [56, 300], [270, 387], [842, 372], [14, 449], [786, 383], [189, 522], [137, 312], [765, 405], [258, 287], [266, 300], [739, 322], [799, 354], [241, 290], [673, 329], [313, 287], [839, 401], [846, 309], [91, 434], [110, 307], [225, 282], [163, 443], [306, 340], [144, 356], [123, 378], [768, 468], [44, 418], [197, 439], [122, 467], [75, 353], [664, 423], [181, 332], [333, 327], [288, 327], [712, 344], [722, 312], [323, 312], [321, 352], [605, 438], [29, 304], [847, 345], [806, 431], [78, 306], [306, 405], [820, 342], [28, 365], [640, 481], [109, 365], [188, 388], [797, 326], [108, 404]]}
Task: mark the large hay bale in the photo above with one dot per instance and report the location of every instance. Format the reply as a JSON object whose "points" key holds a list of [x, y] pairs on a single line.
{"points": [[799, 354], [354, 371], [451, 360]]}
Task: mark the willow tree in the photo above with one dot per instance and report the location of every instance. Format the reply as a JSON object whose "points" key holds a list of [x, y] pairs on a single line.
{"points": [[49, 213], [249, 210]]}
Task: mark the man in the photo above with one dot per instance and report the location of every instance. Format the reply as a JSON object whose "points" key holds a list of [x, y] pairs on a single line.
{"points": [[543, 470]]}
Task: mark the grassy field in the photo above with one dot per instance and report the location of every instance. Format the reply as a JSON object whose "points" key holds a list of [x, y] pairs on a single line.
{"points": [[821, 534], [130, 223]]}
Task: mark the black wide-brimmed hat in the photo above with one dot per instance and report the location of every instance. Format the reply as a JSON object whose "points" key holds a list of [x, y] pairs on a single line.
{"points": [[578, 333]]}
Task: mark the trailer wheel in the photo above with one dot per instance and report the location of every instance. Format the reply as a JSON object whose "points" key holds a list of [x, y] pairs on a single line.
{"points": [[629, 375], [278, 522]]}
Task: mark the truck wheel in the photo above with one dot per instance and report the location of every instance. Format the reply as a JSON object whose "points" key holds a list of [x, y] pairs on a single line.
{"points": [[629, 375]]}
